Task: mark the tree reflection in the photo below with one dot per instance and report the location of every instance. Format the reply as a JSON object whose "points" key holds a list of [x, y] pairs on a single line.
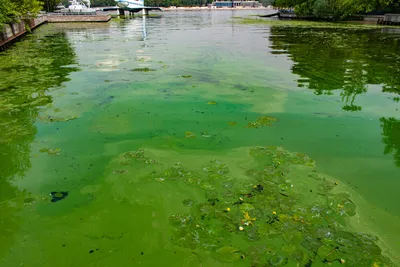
{"points": [[345, 60], [391, 137], [27, 72]]}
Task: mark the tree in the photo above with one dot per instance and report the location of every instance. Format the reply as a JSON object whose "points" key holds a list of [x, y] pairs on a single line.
{"points": [[15, 10], [335, 9]]}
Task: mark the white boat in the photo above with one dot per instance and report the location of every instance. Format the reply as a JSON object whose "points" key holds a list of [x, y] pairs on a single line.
{"points": [[134, 5], [76, 6]]}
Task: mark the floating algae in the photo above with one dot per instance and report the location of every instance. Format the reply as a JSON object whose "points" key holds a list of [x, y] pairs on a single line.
{"points": [[268, 208], [49, 119], [51, 151], [188, 202], [120, 171], [232, 123], [262, 122], [135, 156], [227, 254], [190, 135], [176, 173], [143, 69]]}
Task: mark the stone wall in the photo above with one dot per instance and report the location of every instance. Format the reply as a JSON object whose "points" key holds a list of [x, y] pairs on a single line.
{"points": [[78, 18], [13, 31]]}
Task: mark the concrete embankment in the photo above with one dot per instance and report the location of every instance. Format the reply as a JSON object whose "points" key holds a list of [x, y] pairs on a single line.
{"points": [[12, 32]]}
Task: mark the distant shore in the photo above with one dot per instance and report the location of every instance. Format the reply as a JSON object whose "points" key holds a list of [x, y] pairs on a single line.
{"points": [[198, 8]]}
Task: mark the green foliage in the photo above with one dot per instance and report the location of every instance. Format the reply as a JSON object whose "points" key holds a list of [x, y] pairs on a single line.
{"points": [[333, 9], [96, 3], [14, 10]]}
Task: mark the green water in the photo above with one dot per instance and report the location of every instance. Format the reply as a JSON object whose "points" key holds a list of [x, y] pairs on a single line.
{"points": [[172, 141]]}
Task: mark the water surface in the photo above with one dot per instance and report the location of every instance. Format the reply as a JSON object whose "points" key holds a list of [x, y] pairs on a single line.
{"points": [[152, 126]]}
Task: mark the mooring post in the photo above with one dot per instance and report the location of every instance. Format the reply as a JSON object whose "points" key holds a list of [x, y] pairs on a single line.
{"points": [[121, 12], [145, 12]]}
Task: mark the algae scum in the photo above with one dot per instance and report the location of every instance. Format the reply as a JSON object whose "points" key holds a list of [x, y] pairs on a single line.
{"points": [[171, 141]]}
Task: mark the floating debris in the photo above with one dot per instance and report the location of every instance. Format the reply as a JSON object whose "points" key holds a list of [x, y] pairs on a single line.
{"points": [[190, 135], [143, 69], [58, 195], [211, 103], [51, 151], [186, 76], [262, 122], [232, 123]]}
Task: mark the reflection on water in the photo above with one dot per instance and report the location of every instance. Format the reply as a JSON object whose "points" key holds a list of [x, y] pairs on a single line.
{"points": [[391, 137], [344, 60], [348, 61], [27, 71]]}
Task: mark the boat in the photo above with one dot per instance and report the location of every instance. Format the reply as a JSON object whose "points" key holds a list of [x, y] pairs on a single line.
{"points": [[76, 6]]}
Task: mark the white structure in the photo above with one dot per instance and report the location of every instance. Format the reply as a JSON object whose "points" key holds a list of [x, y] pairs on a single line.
{"points": [[235, 3], [76, 6]]}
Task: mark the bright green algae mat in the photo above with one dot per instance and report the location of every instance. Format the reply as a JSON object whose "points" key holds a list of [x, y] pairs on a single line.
{"points": [[172, 141]]}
